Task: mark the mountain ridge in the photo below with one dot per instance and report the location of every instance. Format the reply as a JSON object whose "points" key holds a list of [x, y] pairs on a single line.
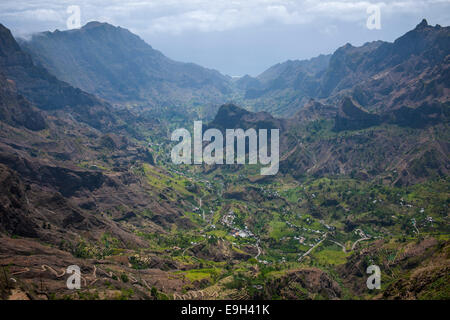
{"points": [[370, 73], [119, 66]]}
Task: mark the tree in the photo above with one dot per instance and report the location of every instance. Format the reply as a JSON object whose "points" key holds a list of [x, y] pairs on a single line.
{"points": [[154, 293]]}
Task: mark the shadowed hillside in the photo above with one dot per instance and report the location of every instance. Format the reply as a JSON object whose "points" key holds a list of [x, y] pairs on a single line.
{"points": [[117, 65]]}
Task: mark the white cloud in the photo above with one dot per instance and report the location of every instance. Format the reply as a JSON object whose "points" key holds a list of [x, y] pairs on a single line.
{"points": [[259, 32], [206, 15], [178, 16]]}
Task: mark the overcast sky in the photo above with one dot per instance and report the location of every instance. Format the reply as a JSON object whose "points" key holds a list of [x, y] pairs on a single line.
{"points": [[236, 37]]}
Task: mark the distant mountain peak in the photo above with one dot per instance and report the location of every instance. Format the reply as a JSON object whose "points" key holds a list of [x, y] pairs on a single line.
{"points": [[423, 24], [90, 26], [93, 24], [99, 25]]}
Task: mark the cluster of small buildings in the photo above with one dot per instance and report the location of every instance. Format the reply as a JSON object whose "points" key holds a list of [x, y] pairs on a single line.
{"points": [[240, 233], [270, 193], [228, 219], [403, 203]]}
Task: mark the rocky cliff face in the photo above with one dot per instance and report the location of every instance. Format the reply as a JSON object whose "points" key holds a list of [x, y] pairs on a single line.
{"points": [[15, 110], [44, 90], [14, 209], [47, 191], [314, 283], [351, 116], [231, 116]]}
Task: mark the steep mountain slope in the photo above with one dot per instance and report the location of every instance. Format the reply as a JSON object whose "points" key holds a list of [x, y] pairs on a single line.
{"points": [[117, 65], [321, 141], [50, 154], [380, 110], [411, 72], [418, 270], [284, 85], [15, 110], [44, 90], [72, 189]]}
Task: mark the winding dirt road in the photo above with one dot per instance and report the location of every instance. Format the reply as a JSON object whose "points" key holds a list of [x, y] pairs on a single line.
{"points": [[312, 248], [363, 238]]}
